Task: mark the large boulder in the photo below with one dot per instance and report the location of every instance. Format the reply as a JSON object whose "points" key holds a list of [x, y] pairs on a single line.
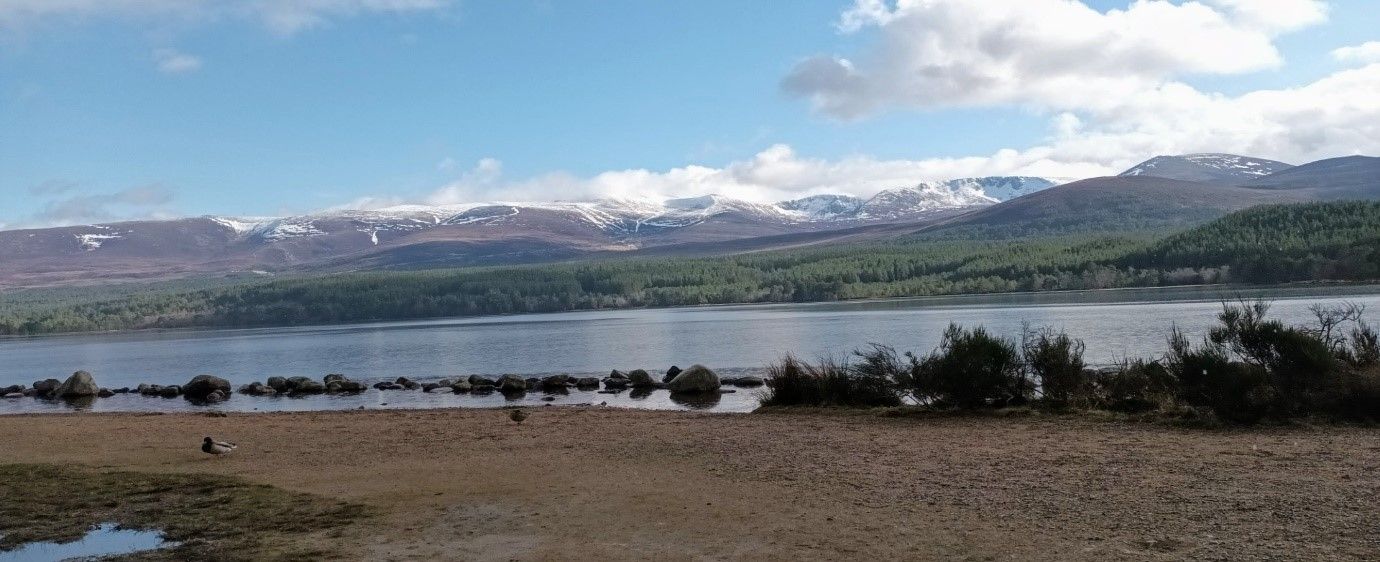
{"points": [[462, 386], [333, 377], [555, 383], [696, 379], [14, 389], [641, 379], [616, 384], [587, 382], [201, 387], [170, 391], [511, 383], [307, 386], [79, 385], [46, 386], [279, 384]]}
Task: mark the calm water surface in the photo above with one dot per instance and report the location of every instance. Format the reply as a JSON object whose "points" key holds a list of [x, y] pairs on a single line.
{"points": [[730, 339]]}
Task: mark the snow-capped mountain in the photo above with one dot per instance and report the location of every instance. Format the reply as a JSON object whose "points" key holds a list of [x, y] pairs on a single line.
{"points": [[474, 233], [632, 217], [1220, 168]]}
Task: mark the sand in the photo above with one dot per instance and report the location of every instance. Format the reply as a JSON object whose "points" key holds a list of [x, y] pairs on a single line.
{"points": [[601, 484]]}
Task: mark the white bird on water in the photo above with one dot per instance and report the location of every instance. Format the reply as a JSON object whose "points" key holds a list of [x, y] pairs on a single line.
{"points": [[213, 447]]}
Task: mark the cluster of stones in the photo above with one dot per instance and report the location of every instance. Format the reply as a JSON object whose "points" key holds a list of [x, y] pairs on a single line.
{"points": [[202, 388], [696, 379], [333, 383], [212, 389]]}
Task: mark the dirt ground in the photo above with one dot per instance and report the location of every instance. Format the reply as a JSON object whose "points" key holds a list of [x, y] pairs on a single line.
{"points": [[601, 484]]}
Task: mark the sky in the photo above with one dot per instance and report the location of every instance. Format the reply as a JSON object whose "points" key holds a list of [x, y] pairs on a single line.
{"points": [[129, 109]]}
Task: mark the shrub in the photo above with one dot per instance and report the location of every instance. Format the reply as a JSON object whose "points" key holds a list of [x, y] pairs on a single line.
{"points": [[1056, 362], [1207, 377], [1134, 387], [971, 369], [1297, 361], [793, 382]]}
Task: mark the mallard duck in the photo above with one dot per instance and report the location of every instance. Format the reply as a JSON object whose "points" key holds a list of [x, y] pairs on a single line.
{"points": [[517, 416], [213, 447]]}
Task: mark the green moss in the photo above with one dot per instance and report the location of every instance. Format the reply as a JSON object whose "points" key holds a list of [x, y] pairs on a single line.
{"points": [[213, 517]]}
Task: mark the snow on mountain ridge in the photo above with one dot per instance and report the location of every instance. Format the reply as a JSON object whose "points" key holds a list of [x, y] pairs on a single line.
{"points": [[631, 215]]}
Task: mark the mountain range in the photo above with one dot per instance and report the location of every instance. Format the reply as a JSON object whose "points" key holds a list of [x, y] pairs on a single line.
{"points": [[1165, 191]]}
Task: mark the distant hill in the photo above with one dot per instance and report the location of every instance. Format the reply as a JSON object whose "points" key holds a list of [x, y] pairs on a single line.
{"points": [[1111, 204], [1228, 169], [422, 236], [1277, 243], [1351, 177]]}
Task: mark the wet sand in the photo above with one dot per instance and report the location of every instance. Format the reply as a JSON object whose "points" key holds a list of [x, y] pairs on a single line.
{"points": [[600, 483]]}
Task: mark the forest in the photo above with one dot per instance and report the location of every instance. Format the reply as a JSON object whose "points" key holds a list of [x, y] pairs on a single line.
{"points": [[1262, 245]]}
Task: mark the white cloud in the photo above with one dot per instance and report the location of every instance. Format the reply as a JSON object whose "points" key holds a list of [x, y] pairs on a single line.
{"points": [[280, 16], [1111, 82], [774, 174], [170, 61], [1046, 53], [1367, 52], [68, 204]]}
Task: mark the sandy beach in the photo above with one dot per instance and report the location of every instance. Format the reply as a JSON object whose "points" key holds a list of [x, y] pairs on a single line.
{"points": [[599, 483]]}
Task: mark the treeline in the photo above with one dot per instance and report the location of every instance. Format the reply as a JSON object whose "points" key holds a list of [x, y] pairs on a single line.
{"points": [[1250, 368], [1270, 244]]}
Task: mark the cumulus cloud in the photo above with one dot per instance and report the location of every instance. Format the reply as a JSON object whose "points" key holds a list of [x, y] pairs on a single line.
{"points": [[280, 16], [1056, 53], [776, 173], [1112, 83], [1367, 52], [67, 204], [170, 61]]}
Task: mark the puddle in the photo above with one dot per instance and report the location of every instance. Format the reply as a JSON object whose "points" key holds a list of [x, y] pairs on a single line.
{"points": [[102, 541]]}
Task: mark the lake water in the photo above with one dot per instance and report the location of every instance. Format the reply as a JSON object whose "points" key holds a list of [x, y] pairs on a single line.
{"points": [[731, 339]]}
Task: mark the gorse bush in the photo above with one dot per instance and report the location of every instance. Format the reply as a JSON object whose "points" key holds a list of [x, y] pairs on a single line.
{"points": [[1055, 360], [1247, 369], [1251, 368], [971, 369], [1134, 387], [793, 382]]}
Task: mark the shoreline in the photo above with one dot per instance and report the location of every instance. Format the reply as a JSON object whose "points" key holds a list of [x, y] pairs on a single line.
{"points": [[614, 484], [863, 301]]}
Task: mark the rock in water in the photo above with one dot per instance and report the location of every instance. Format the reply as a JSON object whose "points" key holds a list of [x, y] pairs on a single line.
{"points": [[46, 386], [279, 384], [308, 386], [201, 387], [748, 381], [555, 383], [512, 383], [697, 378], [641, 379], [671, 373], [78, 385]]}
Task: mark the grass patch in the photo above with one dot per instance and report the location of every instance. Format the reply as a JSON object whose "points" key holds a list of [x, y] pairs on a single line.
{"points": [[213, 517]]}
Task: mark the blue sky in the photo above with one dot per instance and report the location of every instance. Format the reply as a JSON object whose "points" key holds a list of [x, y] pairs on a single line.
{"points": [[131, 108]]}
